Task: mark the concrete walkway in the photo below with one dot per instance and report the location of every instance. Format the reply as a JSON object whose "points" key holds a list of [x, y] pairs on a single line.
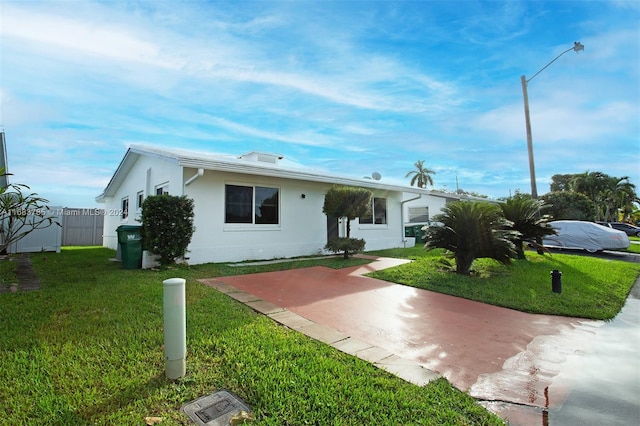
{"points": [[506, 358], [408, 370], [26, 277]]}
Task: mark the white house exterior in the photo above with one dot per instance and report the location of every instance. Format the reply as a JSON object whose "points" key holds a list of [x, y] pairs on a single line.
{"points": [[256, 206]]}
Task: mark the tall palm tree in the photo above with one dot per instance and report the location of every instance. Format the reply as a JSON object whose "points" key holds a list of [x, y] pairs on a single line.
{"points": [[618, 196], [607, 193], [421, 176], [472, 230]]}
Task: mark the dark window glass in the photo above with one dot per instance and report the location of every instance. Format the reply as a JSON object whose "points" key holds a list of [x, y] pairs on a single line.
{"points": [[266, 205], [378, 213], [368, 218], [125, 208], [238, 203], [246, 204]]}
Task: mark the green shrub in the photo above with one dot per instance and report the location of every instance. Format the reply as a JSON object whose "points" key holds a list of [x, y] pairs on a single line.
{"points": [[167, 226], [346, 246]]}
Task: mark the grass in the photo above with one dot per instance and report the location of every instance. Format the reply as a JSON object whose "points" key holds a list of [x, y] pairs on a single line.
{"points": [[7, 272], [634, 248], [591, 287], [87, 349]]}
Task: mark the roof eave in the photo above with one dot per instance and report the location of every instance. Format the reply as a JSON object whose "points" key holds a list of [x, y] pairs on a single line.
{"points": [[253, 169]]}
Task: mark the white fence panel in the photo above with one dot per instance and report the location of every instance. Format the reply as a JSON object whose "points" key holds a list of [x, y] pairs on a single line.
{"points": [[41, 239]]}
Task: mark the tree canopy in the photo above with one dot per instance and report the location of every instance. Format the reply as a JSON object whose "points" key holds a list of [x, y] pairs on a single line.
{"points": [[611, 196], [347, 201], [421, 176]]}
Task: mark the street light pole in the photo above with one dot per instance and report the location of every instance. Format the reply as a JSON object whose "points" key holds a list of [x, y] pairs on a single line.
{"points": [[527, 119], [577, 47]]}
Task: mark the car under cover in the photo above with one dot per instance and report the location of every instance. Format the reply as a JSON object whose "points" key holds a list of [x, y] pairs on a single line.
{"points": [[588, 236]]}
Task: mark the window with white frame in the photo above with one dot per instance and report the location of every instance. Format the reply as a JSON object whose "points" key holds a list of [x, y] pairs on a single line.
{"points": [[418, 214], [162, 188], [124, 208], [257, 205], [139, 199], [378, 213]]}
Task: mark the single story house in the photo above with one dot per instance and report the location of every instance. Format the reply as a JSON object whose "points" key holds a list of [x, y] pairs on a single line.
{"points": [[258, 205]]}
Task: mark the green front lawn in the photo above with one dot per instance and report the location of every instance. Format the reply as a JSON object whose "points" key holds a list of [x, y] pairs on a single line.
{"points": [[634, 248], [87, 349], [591, 287]]}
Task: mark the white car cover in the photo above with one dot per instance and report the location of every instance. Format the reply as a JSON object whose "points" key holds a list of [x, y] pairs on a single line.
{"points": [[585, 235]]}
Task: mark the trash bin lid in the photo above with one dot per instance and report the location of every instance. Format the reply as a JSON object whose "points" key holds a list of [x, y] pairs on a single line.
{"points": [[128, 228]]}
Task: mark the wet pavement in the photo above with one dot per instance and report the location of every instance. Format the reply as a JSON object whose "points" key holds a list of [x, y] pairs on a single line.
{"points": [[603, 383], [530, 369]]}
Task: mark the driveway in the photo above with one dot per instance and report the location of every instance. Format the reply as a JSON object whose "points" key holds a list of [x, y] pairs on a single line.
{"points": [[507, 359]]}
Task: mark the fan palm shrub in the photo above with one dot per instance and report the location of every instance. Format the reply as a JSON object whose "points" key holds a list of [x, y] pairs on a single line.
{"points": [[524, 214], [472, 230]]}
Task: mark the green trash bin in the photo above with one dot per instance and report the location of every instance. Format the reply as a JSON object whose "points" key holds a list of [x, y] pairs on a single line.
{"points": [[419, 233], [408, 231], [130, 240]]}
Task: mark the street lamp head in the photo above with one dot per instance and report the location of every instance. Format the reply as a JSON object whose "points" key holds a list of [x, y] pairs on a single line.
{"points": [[578, 47]]}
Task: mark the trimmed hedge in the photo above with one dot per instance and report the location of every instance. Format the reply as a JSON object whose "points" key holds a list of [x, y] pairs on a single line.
{"points": [[167, 226]]}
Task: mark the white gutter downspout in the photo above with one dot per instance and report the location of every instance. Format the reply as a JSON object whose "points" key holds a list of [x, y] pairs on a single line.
{"points": [[194, 177], [404, 239]]}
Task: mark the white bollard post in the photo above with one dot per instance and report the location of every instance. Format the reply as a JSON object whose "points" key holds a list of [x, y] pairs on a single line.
{"points": [[175, 327]]}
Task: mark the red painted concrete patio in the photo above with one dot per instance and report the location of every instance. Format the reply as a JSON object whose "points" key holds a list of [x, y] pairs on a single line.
{"points": [[495, 354]]}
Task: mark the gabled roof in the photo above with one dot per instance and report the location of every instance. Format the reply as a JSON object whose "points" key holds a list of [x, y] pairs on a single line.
{"points": [[246, 164]]}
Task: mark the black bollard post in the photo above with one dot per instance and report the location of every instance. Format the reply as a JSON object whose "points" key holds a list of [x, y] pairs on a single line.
{"points": [[556, 281]]}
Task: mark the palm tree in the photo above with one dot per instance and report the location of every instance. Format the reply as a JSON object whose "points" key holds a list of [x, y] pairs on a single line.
{"points": [[524, 213], [472, 230], [618, 196], [607, 193], [421, 176]]}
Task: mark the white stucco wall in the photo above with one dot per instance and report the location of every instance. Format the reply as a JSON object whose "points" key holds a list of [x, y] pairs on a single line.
{"points": [[302, 228], [138, 179], [434, 203], [389, 235]]}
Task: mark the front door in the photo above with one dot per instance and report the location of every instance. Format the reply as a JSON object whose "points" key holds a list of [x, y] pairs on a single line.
{"points": [[332, 227]]}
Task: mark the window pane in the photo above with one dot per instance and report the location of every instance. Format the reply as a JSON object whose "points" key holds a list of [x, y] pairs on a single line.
{"points": [[418, 214], [125, 208], [266, 207], [380, 211], [238, 203], [367, 219]]}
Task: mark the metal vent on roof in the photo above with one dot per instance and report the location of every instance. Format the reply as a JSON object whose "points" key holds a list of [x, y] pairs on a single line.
{"points": [[262, 157], [267, 158]]}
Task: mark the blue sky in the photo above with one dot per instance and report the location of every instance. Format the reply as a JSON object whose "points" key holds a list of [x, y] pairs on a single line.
{"points": [[351, 87]]}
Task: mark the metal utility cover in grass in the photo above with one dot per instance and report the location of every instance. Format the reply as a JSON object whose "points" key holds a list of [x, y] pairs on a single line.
{"points": [[215, 409]]}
